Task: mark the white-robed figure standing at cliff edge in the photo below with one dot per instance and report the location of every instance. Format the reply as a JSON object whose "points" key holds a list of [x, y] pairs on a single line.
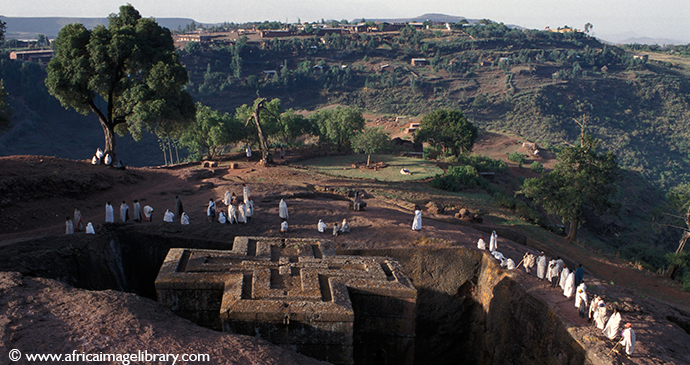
{"points": [[493, 242], [541, 265], [283, 210], [109, 213]]}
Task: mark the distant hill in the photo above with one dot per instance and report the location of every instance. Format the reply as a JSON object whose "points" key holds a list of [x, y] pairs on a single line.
{"points": [[29, 28]]}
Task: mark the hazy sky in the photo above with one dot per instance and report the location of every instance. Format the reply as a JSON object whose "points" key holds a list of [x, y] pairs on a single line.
{"points": [[650, 18]]}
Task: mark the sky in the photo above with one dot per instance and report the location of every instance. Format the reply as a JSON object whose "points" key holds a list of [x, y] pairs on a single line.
{"points": [[666, 19]]}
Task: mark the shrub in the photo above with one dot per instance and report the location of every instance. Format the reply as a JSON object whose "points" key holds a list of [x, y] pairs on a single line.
{"points": [[457, 178], [517, 157], [537, 167]]}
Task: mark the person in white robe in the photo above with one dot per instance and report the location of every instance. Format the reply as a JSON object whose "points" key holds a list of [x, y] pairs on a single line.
{"points": [[95, 160], [508, 264], [569, 289], [109, 213], [211, 210], [89, 229], [232, 214], [248, 150], [600, 315], [283, 210], [228, 198], [284, 227], [611, 328], [498, 256], [417, 221], [148, 210], [481, 244], [549, 270], [528, 262], [336, 229], [137, 211], [593, 307], [99, 153], [69, 226], [493, 242], [249, 208], [581, 300], [628, 340], [541, 266], [108, 160], [124, 211], [241, 213], [321, 226], [564, 276], [245, 193], [222, 218], [78, 221], [168, 216], [345, 227], [184, 220]]}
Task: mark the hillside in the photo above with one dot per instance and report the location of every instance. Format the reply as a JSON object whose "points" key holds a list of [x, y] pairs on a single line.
{"points": [[529, 83]]}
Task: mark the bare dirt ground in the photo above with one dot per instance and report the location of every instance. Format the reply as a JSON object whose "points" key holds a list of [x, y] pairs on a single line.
{"points": [[39, 192]]}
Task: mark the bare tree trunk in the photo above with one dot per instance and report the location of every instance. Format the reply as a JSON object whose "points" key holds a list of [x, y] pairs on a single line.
{"points": [[177, 153], [170, 150], [673, 269], [109, 133], [572, 234], [368, 159]]}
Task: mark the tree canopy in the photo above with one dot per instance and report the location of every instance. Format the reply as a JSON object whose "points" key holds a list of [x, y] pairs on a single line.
{"points": [[211, 131], [449, 129], [5, 111], [371, 140], [582, 178], [338, 125], [291, 126], [131, 65]]}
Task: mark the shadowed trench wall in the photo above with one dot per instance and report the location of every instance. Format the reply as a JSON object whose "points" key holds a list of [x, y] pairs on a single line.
{"points": [[471, 311]]}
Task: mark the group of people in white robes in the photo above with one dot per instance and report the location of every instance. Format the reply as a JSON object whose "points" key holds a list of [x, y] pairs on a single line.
{"points": [[343, 228], [102, 158], [560, 276], [506, 262]]}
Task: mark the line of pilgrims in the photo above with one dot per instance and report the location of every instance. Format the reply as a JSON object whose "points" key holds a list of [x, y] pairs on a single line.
{"points": [[571, 282]]}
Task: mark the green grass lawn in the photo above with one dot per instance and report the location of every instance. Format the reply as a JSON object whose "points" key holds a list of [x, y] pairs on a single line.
{"points": [[342, 166]]}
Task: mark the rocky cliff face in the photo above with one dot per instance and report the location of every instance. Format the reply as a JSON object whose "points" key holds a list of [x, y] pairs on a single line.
{"points": [[470, 311]]}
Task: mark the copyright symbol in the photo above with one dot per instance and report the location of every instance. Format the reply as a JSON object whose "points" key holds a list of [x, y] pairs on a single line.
{"points": [[15, 355]]}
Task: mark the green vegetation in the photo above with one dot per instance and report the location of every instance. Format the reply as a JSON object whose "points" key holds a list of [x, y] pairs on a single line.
{"points": [[448, 129], [518, 158], [211, 131], [338, 125], [371, 140], [342, 166], [5, 110], [131, 65], [582, 178]]}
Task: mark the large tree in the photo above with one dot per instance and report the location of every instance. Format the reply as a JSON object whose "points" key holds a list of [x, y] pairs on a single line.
{"points": [[582, 179], [371, 140], [338, 125], [449, 129], [128, 74], [211, 131]]}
